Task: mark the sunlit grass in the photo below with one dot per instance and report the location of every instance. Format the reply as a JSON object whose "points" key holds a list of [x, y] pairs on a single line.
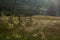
{"points": [[43, 27]]}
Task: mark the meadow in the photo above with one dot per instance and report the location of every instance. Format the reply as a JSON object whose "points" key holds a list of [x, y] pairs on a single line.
{"points": [[40, 28]]}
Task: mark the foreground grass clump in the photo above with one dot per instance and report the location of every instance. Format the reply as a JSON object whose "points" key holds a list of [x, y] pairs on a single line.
{"points": [[10, 31], [15, 31]]}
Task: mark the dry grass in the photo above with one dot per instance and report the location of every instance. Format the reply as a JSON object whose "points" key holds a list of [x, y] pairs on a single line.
{"points": [[46, 26], [41, 17]]}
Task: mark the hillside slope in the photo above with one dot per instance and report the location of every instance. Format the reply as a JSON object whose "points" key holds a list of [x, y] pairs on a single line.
{"points": [[46, 26], [42, 27]]}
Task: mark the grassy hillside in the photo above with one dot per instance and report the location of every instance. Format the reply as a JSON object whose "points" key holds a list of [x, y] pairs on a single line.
{"points": [[42, 17], [45, 27], [42, 28]]}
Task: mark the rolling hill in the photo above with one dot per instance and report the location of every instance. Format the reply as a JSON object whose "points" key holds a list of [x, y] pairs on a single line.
{"points": [[46, 26]]}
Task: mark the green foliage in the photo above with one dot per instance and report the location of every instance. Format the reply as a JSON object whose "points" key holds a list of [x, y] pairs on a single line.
{"points": [[10, 31]]}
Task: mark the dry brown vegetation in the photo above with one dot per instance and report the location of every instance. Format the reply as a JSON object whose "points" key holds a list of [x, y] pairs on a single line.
{"points": [[47, 26], [43, 27]]}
